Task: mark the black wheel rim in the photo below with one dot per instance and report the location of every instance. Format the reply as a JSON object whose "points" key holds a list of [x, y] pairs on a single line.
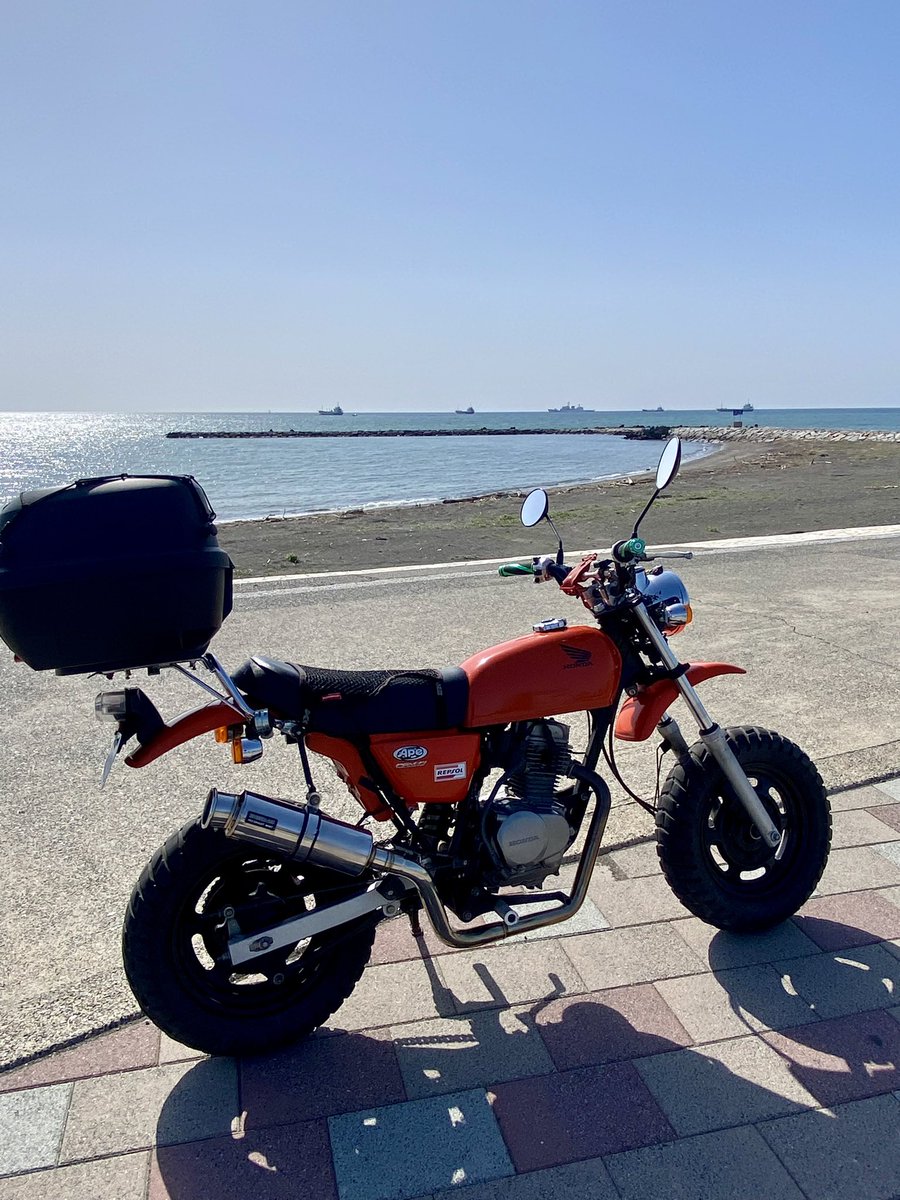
{"points": [[260, 892], [735, 851]]}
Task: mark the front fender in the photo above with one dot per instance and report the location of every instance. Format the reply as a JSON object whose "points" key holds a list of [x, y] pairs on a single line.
{"points": [[640, 714]]}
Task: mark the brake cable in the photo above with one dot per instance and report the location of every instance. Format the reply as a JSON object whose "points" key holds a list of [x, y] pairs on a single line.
{"points": [[610, 756]]}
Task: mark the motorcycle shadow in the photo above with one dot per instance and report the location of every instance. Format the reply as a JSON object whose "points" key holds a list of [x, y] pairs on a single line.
{"points": [[577, 1077]]}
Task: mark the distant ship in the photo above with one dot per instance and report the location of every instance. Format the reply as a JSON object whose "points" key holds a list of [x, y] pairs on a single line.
{"points": [[571, 408], [466, 412], [659, 408], [748, 407], [337, 411]]}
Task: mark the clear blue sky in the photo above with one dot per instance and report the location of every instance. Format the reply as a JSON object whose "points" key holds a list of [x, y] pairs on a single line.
{"points": [[414, 204]]}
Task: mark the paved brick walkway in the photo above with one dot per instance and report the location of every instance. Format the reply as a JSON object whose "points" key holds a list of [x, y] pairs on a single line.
{"points": [[636, 1053]]}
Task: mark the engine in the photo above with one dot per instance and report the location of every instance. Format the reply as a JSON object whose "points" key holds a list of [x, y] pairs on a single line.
{"points": [[529, 825]]}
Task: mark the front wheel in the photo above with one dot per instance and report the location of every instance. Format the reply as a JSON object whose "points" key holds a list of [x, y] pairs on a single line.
{"points": [[712, 854], [197, 887]]}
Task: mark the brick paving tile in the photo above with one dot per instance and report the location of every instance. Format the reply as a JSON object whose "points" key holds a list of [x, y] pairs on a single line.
{"points": [[571, 1115], [723, 1084], [504, 975], [892, 894], [890, 851], [640, 954], [587, 1180], [849, 981], [180, 1102], [857, 870], [401, 991], [31, 1127], [121, 1178], [132, 1045], [172, 1051], [588, 919], [418, 1147], [635, 901], [719, 950], [736, 1164], [850, 919], [889, 787], [860, 828], [634, 862], [394, 942], [453, 1054], [851, 1152], [287, 1163], [863, 797], [890, 814], [608, 1026], [320, 1077], [846, 1058], [733, 1002]]}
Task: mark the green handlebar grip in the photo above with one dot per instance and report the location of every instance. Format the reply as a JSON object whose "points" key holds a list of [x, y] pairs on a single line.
{"points": [[634, 547], [516, 569]]}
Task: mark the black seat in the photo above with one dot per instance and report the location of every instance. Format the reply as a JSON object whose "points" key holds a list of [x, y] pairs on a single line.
{"points": [[354, 703]]}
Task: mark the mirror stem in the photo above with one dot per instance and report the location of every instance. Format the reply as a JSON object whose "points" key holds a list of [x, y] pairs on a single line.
{"points": [[644, 513], [560, 557]]}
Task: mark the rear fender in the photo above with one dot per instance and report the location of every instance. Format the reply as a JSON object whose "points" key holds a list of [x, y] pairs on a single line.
{"points": [[640, 714], [189, 725]]}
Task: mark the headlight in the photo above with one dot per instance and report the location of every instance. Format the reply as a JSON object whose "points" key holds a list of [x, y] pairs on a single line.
{"points": [[668, 600]]}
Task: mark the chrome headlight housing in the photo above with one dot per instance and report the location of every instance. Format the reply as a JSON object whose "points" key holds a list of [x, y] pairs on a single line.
{"points": [[667, 599]]}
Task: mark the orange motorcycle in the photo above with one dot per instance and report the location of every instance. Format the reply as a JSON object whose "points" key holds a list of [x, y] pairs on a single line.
{"points": [[253, 923]]}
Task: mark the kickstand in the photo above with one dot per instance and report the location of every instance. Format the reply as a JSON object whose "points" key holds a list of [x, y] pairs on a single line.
{"points": [[415, 924]]}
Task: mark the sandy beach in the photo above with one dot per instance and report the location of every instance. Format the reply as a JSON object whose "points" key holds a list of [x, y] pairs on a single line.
{"points": [[745, 488]]}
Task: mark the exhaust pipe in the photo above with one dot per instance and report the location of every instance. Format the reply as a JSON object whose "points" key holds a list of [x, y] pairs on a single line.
{"points": [[301, 834], [306, 835]]}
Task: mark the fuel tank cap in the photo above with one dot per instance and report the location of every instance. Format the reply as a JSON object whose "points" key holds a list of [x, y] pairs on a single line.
{"points": [[550, 625]]}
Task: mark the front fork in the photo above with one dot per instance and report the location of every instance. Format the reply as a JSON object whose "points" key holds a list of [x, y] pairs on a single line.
{"points": [[711, 734]]}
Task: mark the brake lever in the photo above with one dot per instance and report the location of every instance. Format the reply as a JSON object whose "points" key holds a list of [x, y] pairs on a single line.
{"points": [[688, 554]]}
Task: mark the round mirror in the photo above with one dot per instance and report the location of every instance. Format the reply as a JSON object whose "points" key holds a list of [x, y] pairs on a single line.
{"points": [[669, 462], [534, 507]]}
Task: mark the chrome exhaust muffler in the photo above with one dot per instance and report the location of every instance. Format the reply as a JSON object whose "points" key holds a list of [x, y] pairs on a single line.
{"points": [[306, 835], [297, 832]]}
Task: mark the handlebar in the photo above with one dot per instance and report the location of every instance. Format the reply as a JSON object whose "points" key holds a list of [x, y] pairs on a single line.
{"points": [[516, 569]]}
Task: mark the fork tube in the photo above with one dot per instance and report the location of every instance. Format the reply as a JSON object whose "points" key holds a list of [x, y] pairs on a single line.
{"points": [[712, 736]]}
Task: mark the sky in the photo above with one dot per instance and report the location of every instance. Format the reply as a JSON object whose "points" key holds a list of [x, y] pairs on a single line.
{"points": [[422, 204]]}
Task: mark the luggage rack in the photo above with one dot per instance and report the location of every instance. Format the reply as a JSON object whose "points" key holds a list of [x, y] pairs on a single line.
{"points": [[212, 664]]}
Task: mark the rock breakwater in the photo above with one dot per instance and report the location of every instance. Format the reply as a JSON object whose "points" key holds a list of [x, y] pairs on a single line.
{"points": [[768, 433]]}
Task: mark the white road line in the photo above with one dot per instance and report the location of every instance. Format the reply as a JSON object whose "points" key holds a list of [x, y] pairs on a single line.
{"points": [[720, 545]]}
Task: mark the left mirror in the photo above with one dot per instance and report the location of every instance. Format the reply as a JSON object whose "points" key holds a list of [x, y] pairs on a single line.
{"points": [[669, 462], [534, 507]]}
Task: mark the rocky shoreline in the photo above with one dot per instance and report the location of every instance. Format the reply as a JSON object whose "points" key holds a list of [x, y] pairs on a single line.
{"points": [[771, 433]]}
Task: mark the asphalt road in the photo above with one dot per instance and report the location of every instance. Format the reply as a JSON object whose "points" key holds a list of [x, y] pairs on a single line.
{"points": [[815, 626]]}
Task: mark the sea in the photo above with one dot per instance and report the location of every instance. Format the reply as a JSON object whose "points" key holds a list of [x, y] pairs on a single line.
{"points": [[260, 477]]}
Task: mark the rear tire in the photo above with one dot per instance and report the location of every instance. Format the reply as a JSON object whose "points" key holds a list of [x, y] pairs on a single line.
{"points": [[175, 936], [711, 853]]}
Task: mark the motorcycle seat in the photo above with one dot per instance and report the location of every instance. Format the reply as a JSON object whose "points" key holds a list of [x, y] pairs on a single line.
{"points": [[356, 703]]}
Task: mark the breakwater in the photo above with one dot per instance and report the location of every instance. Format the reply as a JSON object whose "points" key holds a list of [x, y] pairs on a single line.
{"points": [[632, 433], [768, 433]]}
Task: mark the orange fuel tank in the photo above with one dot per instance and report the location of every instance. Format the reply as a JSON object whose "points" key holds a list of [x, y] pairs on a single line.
{"points": [[542, 675]]}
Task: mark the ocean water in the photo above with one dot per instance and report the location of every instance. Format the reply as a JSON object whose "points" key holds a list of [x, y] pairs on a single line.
{"points": [[258, 477]]}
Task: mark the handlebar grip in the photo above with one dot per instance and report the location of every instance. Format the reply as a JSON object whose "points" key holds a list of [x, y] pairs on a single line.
{"points": [[634, 548], [516, 569]]}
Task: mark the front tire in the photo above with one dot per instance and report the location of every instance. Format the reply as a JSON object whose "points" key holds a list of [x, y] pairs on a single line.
{"points": [[176, 932], [711, 853]]}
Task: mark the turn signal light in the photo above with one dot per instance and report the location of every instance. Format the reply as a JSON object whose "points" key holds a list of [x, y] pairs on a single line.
{"points": [[222, 735]]}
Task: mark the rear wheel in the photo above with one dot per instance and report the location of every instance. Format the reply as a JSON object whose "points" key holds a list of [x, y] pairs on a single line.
{"points": [[712, 854], [174, 945]]}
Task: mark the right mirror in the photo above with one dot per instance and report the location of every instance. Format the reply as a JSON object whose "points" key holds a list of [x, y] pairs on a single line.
{"points": [[534, 507], [669, 462]]}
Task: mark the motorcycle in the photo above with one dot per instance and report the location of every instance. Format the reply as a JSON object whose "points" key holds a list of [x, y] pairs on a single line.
{"points": [[253, 923]]}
